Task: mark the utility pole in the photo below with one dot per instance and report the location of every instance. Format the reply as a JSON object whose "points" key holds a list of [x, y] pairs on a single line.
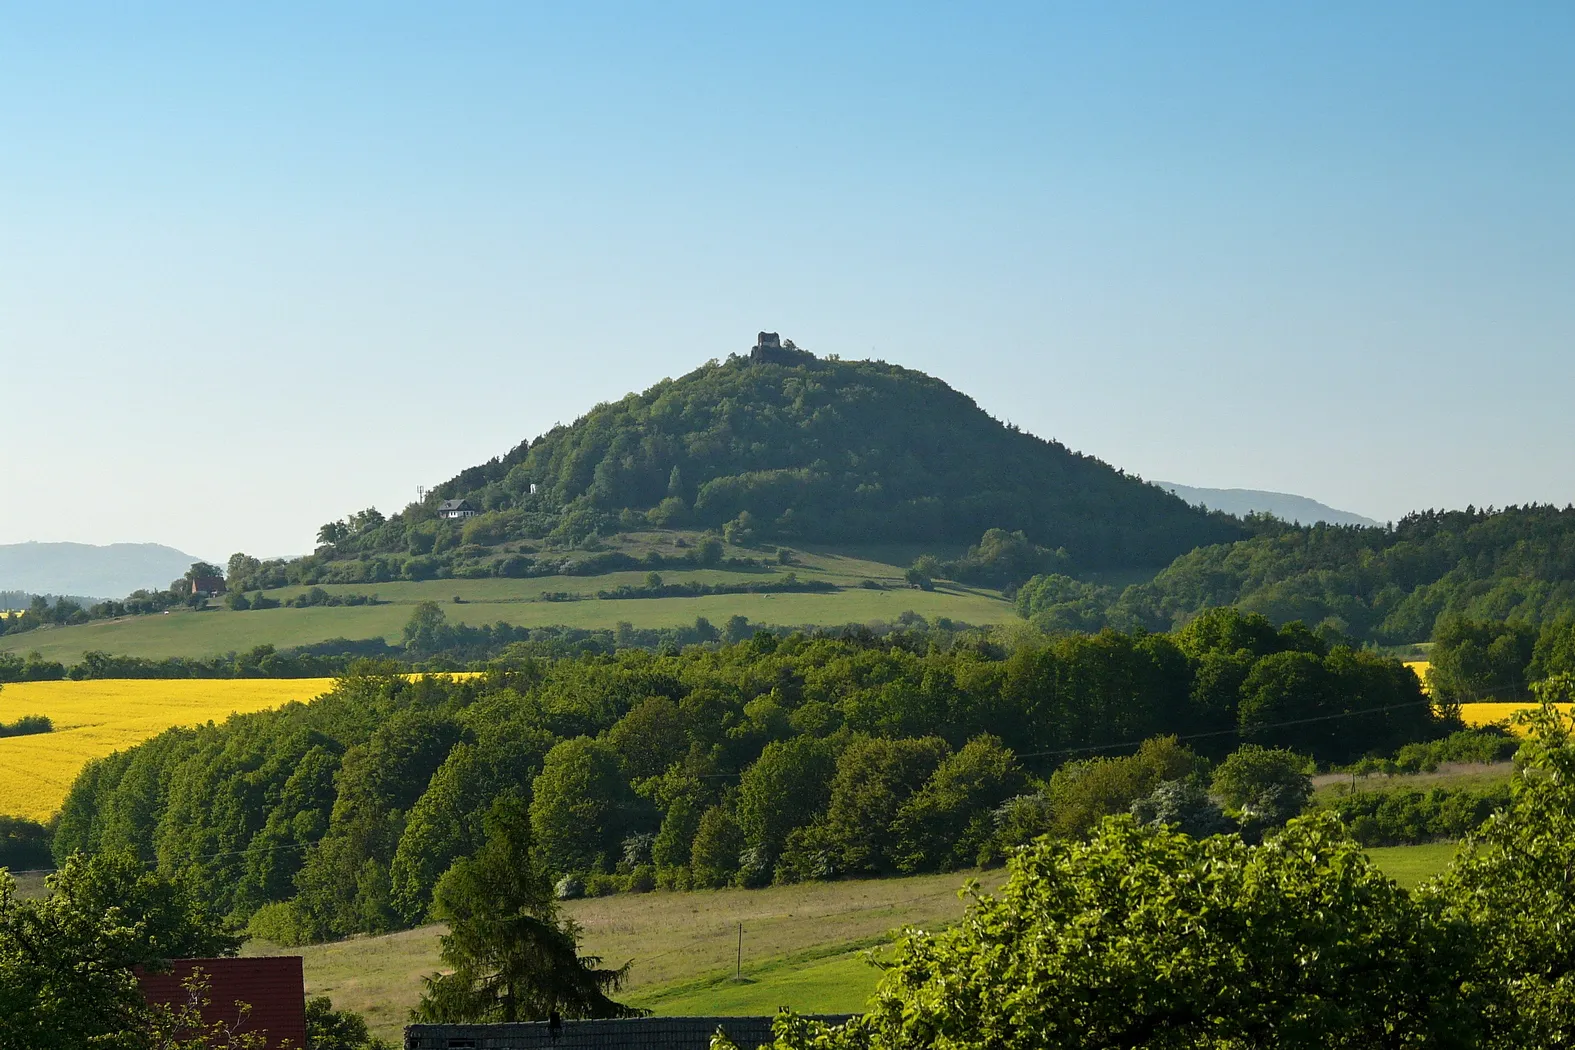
{"points": [[738, 964]]}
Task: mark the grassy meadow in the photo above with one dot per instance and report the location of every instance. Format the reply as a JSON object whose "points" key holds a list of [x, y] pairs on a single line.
{"points": [[96, 717], [803, 947], [807, 946], [216, 631]]}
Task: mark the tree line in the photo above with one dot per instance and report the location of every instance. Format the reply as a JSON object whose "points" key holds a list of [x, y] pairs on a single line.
{"points": [[1391, 585], [773, 759]]}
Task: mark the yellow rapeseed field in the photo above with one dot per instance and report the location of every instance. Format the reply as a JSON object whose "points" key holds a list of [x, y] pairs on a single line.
{"points": [[95, 718], [1483, 714]]}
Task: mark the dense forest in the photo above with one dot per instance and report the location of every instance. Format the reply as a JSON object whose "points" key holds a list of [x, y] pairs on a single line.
{"points": [[772, 759], [1389, 585]]}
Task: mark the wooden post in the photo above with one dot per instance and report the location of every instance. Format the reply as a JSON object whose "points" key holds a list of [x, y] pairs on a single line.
{"points": [[738, 964]]}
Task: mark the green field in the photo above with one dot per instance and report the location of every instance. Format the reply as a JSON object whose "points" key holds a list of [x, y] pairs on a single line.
{"points": [[805, 946], [216, 631], [1410, 865]]}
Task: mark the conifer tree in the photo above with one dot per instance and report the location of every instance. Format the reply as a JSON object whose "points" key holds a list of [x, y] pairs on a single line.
{"points": [[513, 957]]}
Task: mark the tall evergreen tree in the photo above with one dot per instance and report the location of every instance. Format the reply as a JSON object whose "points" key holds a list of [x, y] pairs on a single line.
{"points": [[513, 957]]}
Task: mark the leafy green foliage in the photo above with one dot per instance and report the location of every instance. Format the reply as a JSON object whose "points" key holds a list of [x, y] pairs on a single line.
{"points": [[1400, 818], [1263, 786], [330, 1029], [24, 844], [1511, 886], [1144, 937]]}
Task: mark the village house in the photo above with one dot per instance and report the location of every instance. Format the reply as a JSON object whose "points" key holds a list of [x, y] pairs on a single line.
{"points": [[207, 586], [456, 509]]}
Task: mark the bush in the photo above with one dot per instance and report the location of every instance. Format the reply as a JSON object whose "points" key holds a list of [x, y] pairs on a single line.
{"points": [[24, 844], [569, 888], [1404, 818], [27, 725], [598, 885], [674, 877], [1487, 744], [1145, 938], [282, 923], [1263, 786]]}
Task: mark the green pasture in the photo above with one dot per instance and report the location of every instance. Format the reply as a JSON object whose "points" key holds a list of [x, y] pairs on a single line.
{"points": [[839, 983], [215, 631], [1410, 865]]}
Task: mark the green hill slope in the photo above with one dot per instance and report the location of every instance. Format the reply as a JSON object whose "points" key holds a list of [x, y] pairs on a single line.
{"points": [[818, 451]]}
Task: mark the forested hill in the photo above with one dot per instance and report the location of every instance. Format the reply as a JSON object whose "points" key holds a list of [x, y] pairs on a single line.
{"points": [[832, 451], [1389, 585]]}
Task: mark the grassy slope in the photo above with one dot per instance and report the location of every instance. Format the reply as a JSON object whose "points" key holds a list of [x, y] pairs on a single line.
{"points": [[216, 631], [797, 947], [804, 946]]}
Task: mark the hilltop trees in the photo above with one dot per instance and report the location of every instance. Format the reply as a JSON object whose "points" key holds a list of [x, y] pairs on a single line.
{"points": [[820, 450]]}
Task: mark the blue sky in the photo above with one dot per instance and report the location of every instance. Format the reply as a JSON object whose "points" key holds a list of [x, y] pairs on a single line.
{"points": [[261, 267]]}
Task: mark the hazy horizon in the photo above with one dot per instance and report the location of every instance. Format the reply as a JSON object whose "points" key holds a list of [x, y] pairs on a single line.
{"points": [[267, 267]]}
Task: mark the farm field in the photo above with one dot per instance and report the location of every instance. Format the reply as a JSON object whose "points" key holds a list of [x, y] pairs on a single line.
{"points": [[520, 602], [805, 946], [96, 717]]}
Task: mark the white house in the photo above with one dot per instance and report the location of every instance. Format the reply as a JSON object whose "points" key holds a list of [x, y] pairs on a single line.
{"points": [[456, 508]]}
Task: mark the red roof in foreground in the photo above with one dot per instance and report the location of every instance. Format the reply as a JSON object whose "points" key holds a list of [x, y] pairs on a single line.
{"points": [[273, 987]]}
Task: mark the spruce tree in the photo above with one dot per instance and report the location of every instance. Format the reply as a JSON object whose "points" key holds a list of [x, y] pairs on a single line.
{"points": [[513, 956]]}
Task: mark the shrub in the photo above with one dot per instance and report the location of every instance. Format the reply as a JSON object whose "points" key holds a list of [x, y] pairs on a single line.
{"points": [[24, 844], [598, 885], [1486, 744], [1400, 818], [27, 725], [1263, 786]]}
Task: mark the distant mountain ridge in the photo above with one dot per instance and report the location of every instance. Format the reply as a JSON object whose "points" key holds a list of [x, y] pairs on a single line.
{"points": [[1286, 506], [111, 571]]}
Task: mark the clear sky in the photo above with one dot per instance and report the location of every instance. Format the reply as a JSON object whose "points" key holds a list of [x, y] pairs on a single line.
{"points": [[264, 265]]}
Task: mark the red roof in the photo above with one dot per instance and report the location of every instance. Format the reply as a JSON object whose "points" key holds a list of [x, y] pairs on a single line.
{"points": [[273, 987]]}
